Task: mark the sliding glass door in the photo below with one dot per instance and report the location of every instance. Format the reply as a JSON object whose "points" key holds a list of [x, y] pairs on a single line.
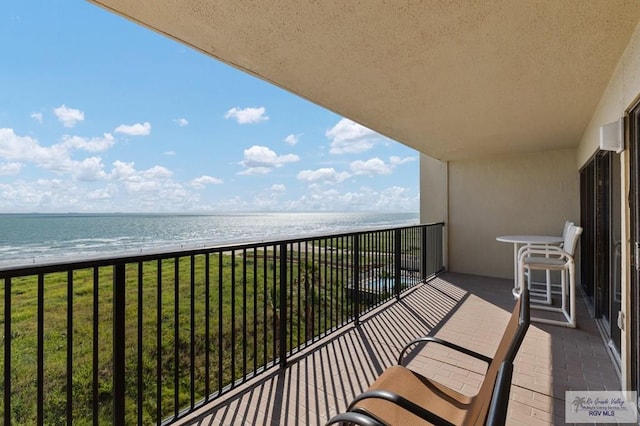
{"points": [[600, 250]]}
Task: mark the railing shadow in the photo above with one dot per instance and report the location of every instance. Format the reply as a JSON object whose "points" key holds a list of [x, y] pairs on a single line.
{"points": [[320, 381]]}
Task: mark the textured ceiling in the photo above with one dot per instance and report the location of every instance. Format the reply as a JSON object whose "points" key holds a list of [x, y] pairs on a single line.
{"points": [[452, 79]]}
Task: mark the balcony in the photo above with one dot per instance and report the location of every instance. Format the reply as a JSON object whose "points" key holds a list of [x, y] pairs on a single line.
{"points": [[282, 332]]}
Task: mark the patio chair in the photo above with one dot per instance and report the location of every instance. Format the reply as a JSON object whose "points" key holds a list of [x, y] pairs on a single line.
{"points": [[401, 396], [567, 224], [553, 258], [548, 285]]}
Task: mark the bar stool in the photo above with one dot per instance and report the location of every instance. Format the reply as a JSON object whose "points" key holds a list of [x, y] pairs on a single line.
{"points": [[549, 287], [553, 258]]}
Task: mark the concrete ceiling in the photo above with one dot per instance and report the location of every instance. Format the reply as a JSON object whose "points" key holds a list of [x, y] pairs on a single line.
{"points": [[452, 79]]}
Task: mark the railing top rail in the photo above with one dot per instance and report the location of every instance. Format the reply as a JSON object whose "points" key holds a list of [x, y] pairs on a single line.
{"points": [[61, 265]]}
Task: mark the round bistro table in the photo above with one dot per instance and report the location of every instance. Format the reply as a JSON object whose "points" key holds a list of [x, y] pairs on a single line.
{"points": [[518, 240]]}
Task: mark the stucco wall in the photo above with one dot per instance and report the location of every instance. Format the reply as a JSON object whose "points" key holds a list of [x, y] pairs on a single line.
{"points": [[525, 194], [623, 88], [434, 196], [434, 202]]}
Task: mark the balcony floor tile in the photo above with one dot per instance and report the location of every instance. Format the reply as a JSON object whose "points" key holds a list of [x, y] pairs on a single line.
{"points": [[467, 309]]}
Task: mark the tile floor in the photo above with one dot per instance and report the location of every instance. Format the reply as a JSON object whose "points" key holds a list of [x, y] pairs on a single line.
{"points": [[468, 309]]}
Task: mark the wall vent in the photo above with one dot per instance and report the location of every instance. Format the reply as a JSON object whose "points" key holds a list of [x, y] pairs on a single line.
{"points": [[612, 136]]}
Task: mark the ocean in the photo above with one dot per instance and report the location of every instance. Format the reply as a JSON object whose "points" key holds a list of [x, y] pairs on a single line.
{"points": [[43, 238]]}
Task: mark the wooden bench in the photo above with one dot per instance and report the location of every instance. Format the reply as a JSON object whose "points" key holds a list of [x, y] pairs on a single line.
{"points": [[401, 396]]}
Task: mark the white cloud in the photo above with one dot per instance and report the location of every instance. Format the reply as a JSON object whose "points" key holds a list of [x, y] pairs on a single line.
{"points": [[373, 166], [157, 172], [398, 198], [102, 194], [292, 139], [127, 172], [56, 158], [247, 115], [122, 170], [150, 189], [9, 169], [181, 122], [256, 171], [92, 145], [271, 198], [328, 175], [261, 160], [263, 156], [396, 161], [89, 169], [169, 153], [37, 116], [69, 117], [26, 149], [139, 186], [40, 195], [137, 129], [348, 137], [151, 194], [201, 181], [322, 198]]}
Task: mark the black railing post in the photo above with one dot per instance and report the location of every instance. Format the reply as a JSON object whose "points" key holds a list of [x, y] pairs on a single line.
{"points": [[7, 351], [119, 279], [356, 278], [40, 373], [424, 253], [440, 245], [69, 407], [283, 305], [398, 262]]}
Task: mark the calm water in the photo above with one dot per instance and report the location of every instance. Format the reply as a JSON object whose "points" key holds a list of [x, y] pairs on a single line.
{"points": [[49, 237]]}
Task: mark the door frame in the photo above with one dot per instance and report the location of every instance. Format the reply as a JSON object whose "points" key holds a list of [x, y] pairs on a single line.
{"points": [[633, 132]]}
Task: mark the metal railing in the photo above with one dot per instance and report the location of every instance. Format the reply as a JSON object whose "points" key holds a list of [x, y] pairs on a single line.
{"points": [[150, 338]]}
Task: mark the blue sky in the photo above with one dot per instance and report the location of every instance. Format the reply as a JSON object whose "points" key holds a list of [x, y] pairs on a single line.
{"points": [[98, 114]]}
